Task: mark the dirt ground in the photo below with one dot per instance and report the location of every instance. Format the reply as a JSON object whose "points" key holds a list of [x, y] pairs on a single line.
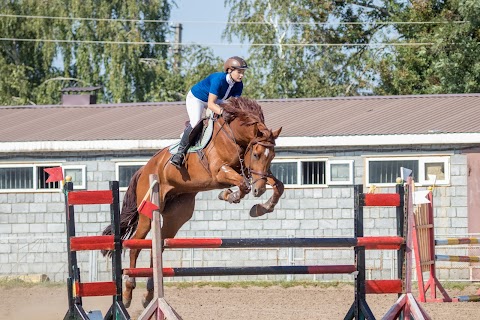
{"points": [[205, 303]]}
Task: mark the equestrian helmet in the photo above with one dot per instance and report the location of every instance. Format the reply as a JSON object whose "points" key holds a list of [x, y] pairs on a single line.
{"points": [[235, 63]]}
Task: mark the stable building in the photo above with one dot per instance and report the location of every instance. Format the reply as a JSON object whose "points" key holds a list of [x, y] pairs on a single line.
{"points": [[327, 145]]}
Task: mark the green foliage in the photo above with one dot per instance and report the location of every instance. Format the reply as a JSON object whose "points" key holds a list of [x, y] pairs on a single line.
{"points": [[300, 64], [449, 65], [299, 49], [309, 56], [40, 69]]}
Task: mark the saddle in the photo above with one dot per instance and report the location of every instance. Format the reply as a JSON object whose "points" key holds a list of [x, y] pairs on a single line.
{"points": [[199, 137]]}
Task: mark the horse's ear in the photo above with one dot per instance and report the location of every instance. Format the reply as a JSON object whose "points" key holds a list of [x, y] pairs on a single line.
{"points": [[276, 133]]}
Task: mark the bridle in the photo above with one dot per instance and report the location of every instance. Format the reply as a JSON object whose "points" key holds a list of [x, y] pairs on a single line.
{"points": [[245, 171], [262, 175]]}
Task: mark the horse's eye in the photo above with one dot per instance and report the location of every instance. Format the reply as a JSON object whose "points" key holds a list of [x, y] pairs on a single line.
{"points": [[256, 155]]}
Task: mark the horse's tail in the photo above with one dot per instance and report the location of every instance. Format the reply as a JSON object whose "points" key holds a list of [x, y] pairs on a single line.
{"points": [[129, 215]]}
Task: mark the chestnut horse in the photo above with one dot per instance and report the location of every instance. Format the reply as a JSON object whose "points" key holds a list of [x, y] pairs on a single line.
{"points": [[238, 154]]}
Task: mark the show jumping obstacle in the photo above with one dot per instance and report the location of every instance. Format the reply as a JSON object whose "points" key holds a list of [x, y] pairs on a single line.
{"points": [[425, 257], [77, 289], [406, 305]]}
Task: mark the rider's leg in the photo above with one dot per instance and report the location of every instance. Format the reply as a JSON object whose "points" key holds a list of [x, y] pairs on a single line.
{"points": [[177, 159], [194, 109]]}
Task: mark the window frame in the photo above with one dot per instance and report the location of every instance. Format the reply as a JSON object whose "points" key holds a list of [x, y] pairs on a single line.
{"points": [[34, 166], [436, 159], [351, 173], [422, 160], [327, 161], [82, 167], [118, 164]]}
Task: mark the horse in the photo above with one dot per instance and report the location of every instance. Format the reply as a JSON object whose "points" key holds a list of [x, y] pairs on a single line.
{"points": [[238, 154]]}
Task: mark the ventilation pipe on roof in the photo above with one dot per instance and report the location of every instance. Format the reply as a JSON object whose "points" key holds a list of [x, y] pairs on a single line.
{"points": [[79, 96]]}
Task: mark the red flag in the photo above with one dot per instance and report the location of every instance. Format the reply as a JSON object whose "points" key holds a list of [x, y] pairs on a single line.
{"points": [[55, 174], [147, 208]]}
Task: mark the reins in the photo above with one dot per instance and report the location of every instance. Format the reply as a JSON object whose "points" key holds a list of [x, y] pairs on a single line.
{"points": [[262, 175], [248, 176]]}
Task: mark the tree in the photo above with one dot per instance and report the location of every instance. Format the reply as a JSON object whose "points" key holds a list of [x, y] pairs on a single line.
{"points": [[307, 48], [197, 62], [299, 48], [448, 63], [93, 51]]}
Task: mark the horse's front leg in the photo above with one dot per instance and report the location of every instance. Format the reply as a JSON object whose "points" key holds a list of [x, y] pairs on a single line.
{"points": [[227, 175], [261, 209]]}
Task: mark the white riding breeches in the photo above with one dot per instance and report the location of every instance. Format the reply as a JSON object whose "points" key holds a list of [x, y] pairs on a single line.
{"points": [[195, 108]]}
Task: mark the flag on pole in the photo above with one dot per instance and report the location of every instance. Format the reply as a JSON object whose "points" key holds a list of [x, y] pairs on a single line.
{"points": [[420, 197], [55, 174], [146, 208], [405, 173]]}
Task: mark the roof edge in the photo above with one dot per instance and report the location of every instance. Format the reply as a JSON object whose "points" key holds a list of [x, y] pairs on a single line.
{"points": [[162, 103], [283, 142]]}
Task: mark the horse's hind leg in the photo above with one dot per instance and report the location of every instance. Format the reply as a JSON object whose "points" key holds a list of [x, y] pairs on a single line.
{"points": [[177, 211], [144, 225]]}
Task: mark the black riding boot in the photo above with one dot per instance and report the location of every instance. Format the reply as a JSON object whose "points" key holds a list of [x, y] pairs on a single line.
{"points": [[178, 158]]}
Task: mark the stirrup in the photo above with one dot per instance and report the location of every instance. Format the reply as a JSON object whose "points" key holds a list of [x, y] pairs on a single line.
{"points": [[176, 164]]}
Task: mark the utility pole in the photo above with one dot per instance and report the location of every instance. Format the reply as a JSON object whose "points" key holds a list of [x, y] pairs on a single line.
{"points": [[177, 50]]}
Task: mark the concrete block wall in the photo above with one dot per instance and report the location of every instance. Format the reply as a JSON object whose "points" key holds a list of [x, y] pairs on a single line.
{"points": [[32, 226]]}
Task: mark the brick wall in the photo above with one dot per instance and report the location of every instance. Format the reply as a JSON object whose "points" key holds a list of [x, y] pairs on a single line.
{"points": [[32, 226]]}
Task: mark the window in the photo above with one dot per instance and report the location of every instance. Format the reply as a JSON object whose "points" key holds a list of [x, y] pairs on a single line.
{"points": [[285, 171], [425, 170], [435, 170], [14, 178], [26, 177], [125, 171], [340, 172], [78, 174], [314, 172], [386, 171]]}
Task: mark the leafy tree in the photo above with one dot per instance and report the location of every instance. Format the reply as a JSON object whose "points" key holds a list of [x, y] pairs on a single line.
{"points": [[37, 70], [308, 48], [197, 62], [448, 64], [300, 50]]}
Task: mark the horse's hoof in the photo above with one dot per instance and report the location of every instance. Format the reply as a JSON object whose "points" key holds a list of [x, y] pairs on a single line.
{"points": [[257, 211], [147, 298], [233, 199], [127, 303]]}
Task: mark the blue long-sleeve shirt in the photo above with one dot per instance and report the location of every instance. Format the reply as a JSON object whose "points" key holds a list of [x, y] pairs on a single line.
{"points": [[217, 84]]}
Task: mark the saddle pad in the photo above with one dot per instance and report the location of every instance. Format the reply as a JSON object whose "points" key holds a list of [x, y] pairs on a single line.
{"points": [[201, 143]]}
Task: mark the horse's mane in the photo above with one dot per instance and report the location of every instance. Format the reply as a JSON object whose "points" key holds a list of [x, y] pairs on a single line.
{"points": [[247, 111]]}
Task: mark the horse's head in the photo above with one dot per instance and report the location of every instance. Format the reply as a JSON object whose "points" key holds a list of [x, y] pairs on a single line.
{"points": [[259, 156]]}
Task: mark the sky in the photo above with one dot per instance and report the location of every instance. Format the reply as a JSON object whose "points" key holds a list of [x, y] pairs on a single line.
{"points": [[203, 23]]}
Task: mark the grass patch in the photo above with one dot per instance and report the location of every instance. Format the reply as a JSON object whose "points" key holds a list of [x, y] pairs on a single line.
{"points": [[257, 284], [18, 283], [457, 285]]}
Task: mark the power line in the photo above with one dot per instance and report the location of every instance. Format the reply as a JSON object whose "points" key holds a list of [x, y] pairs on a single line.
{"points": [[231, 22], [151, 43]]}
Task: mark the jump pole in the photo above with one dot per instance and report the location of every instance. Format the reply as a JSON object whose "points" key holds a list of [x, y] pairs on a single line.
{"points": [[406, 303], [370, 243], [158, 306]]}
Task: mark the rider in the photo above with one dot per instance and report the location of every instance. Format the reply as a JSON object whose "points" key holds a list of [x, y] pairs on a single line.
{"points": [[209, 92]]}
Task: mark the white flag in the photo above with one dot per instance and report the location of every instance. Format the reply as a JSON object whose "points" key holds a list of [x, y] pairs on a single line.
{"points": [[420, 197]]}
